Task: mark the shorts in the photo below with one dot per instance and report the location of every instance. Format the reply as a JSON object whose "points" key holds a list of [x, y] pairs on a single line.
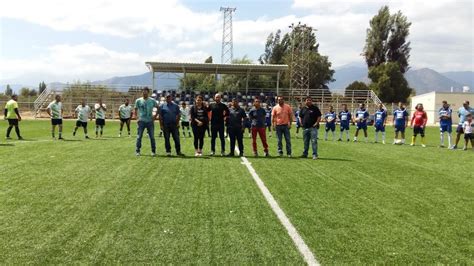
{"points": [[268, 123], [185, 124], [344, 126], [400, 128], [331, 126], [100, 122], [13, 122], [469, 136], [460, 130], [446, 128], [419, 130], [362, 126], [125, 120], [81, 124], [56, 121], [379, 127]]}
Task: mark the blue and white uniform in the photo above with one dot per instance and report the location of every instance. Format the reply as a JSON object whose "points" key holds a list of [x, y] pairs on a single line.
{"points": [[297, 115], [380, 117], [361, 116], [332, 117], [268, 117], [400, 116], [445, 120], [345, 118], [462, 113]]}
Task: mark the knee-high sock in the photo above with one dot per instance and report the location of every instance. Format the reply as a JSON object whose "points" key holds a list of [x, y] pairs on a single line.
{"points": [[441, 137]]}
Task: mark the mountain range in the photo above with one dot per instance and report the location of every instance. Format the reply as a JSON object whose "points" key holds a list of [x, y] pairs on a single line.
{"points": [[423, 80]]}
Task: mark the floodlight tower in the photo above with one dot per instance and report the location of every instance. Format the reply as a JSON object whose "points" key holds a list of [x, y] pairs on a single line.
{"points": [[227, 53], [299, 66]]}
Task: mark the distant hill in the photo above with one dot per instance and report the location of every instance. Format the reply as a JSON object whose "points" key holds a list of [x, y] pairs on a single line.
{"points": [[462, 77], [427, 80], [422, 80], [162, 80]]}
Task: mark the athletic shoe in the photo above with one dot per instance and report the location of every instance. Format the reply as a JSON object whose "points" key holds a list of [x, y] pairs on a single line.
{"points": [[280, 154], [412, 144], [222, 153], [383, 141], [255, 154], [230, 154], [289, 155], [61, 138], [196, 154], [120, 135], [241, 154], [339, 140], [20, 138], [8, 138], [153, 154], [453, 147], [74, 134], [180, 154], [423, 145], [168, 154], [137, 154], [212, 153], [87, 137], [315, 157], [302, 156], [267, 154], [464, 149]]}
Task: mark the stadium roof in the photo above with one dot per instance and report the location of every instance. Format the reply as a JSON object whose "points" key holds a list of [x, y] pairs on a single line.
{"points": [[210, 68]]}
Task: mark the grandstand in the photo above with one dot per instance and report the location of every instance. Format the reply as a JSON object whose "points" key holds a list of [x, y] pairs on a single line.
{"points": [[113, 96]]}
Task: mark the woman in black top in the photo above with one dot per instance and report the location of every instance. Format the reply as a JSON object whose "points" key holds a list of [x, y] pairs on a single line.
{"points": [[199, 122]]}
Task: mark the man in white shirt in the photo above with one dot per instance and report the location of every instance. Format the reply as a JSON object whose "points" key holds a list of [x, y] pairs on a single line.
{"points": [[55, 111], [83, 112], [125, 114], [100, 110], [185, 114]]}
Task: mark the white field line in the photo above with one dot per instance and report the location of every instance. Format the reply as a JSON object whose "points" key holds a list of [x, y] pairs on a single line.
{"points": [[290, 228]]}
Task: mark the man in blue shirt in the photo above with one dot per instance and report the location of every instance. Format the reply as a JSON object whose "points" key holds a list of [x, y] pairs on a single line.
{"points": [[445, 123], [235, 125], [380, 118], [145, 119], [345, 118], [268, 119], [330, 119], [462, 113], [361, 115], [169, 123], [400, 122], [257, 117]]}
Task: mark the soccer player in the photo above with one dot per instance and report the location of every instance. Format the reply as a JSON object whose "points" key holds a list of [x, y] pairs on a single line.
{"points": [[380, 118], [361, 118], [219, 113], [257, 117], [199, 121], [12, 114], [418, 123], [268, 119], [100, 110], [145, 119], [169, 123], [467, 128], [400, 122], [282, 119], [330, 119], [445, 123], [125, 114], [298, 124], [235, 124], [185, 114], [345, 118], [55, 111], [248, 123], [462, 113], [309, 117], [83, 112]]}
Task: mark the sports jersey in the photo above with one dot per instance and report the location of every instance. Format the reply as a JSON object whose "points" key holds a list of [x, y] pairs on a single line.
{"points": [[362, 115], [145, 109], [462, 112], [257, 117], [380, 116], [83, 112], [297, 114], [419, 118], [185, 113], [400, 116], [345, 117], [445, 112], [11, 106], [99, 112], [56, 108], [467, 127], [125, 111], [330, 116]]}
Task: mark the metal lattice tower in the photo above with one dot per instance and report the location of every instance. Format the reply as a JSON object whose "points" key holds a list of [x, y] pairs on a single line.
{"points": [[299, 66], [227, 54]]}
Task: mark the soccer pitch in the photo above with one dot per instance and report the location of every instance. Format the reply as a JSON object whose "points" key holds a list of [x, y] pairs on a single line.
{"points": [[94, 201]]}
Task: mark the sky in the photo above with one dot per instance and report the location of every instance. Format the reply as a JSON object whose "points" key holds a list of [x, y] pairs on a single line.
{"points": [[56, 40]]}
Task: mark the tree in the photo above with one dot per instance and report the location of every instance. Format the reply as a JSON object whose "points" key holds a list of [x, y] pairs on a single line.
{"points": [[357, 86], [8, 90], [200, 82], [389, 83], [387, 53], [41, 87], [25, 92], [208, 60], [275, 48], [33, 93]]}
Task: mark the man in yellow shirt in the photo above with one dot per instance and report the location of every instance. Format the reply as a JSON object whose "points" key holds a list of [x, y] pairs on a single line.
{"points": [[13, 116]]}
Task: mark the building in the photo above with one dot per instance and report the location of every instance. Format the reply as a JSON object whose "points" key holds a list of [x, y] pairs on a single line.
{"points": [[432, 102]]}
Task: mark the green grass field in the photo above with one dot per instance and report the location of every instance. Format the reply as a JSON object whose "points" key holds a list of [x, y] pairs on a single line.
{"points": [[94, 201]]}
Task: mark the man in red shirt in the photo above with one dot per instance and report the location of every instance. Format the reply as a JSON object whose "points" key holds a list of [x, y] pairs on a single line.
{"points": [[418, 123]]}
